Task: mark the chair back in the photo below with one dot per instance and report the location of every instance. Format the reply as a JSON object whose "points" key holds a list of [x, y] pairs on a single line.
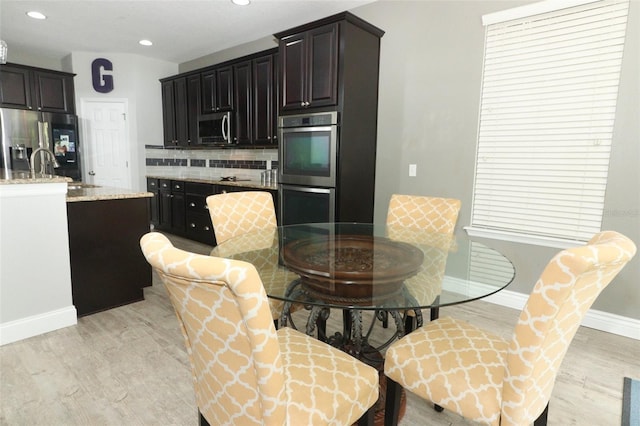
{"points": [[565, 291], [427, 223], [231, 341], [235, 213], [433, 214]]}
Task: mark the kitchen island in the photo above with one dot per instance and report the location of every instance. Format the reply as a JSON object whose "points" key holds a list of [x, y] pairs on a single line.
{"points": [[66, 250], [107, 266], [35, 276]]}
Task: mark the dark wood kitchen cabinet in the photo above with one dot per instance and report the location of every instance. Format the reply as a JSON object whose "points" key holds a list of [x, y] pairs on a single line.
{"points": [[199, 226], [309, 61], [36, 89], [255, 92], [217, 89], [180, 109], [154, 202], [265, 102], [172, 215], [243, 103], [332, 65], [107, 266]]}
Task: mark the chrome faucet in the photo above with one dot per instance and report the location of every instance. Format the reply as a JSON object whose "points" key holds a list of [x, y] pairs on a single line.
{"points": [[43, 161]]}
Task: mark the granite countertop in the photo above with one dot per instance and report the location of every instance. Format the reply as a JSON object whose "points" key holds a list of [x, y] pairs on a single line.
{"points": [[83, 192], [17, 177], [217, 181]]}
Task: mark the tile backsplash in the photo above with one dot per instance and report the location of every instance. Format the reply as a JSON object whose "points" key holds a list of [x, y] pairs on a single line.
{"points": [[214, 164]]}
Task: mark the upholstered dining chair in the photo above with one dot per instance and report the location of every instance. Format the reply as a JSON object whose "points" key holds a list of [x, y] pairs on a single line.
{"points": [[427, 222], [246, 372], [495, 381], [236, 213]]}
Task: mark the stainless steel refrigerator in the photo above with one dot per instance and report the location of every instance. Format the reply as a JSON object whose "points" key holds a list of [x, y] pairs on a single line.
{"points": [[23, 131]]}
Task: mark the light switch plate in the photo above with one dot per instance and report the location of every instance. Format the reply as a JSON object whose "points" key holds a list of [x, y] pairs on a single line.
{"points": [[413, 169]]}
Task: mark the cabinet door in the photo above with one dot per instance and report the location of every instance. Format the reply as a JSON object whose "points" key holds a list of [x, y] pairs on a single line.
{"points": [[181, 108], [263, 81], [193, 108], [154, 202], [293, 63], [54, 92], [168, 114], [322, 71], [178, 213], [178, 207], [242, 75], [209, 92], [15, 87], [224, 92]]}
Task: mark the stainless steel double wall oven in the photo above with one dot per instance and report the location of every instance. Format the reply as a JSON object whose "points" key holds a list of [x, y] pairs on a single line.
{"points": [[308, 164]]}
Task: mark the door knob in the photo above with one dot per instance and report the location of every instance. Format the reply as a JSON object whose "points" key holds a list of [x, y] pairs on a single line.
{"points": [[92, 173]]}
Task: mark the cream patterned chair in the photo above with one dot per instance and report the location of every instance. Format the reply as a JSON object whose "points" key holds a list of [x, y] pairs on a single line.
{"points": [[494, 381], [237, 213], [246, 372], [427, 222]]}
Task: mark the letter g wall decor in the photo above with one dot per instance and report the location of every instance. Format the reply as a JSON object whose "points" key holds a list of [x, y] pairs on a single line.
{"points": [[102, 83]]}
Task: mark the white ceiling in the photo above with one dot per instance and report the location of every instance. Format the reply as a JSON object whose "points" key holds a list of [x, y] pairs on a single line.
{"points": [[181, 30]]}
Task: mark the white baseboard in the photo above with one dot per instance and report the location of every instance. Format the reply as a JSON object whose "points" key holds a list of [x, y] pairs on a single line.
{"points": [[23, 328], [599, 320]]}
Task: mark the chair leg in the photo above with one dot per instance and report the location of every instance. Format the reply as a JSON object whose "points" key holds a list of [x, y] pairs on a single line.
{"points": [[392, 402], [542, 418], [369, 417], [202, 420], [275, 323]]}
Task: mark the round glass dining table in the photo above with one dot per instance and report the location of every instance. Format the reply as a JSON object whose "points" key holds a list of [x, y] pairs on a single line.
{"points": [[394, 271]]}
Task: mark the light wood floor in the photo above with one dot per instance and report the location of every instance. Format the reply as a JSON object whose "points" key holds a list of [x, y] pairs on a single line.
{"points": [[128, 366]]}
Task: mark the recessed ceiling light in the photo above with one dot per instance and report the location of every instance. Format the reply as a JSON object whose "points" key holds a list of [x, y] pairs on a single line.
{"points": [[145, 42], [36, 15], [240, 2]]}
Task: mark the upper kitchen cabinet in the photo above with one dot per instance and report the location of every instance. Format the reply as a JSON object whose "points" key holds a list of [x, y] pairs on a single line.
{"points": [[322, 62], [217, 90], [310, 68], [255, 91], [243, 99], [265, 103], [180, 109], [37, 89]]}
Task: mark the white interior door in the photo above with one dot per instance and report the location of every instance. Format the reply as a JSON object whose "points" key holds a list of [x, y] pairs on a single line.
{"points": [[106, 144]]}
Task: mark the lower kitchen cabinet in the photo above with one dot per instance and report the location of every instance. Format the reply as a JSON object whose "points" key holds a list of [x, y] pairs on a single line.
{"points": [[180, 207], [108, 268], [198, 223]]}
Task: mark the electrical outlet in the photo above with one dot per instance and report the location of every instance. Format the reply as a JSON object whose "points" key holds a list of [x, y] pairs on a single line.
{"points": [[413, 169]]}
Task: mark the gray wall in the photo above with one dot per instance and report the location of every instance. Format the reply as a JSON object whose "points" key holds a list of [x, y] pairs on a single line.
{"points": [[430, 73]]}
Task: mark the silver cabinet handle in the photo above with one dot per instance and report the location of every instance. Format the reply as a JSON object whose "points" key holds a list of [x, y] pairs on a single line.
{"points": [[193, 225], [192, 204], [206, 228]]}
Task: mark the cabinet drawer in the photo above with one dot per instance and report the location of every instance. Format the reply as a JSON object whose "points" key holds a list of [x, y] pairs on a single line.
{"points": [[164, 184], [152, 184], [177, 186], [199, 228], [197, 204], [200, 188]]}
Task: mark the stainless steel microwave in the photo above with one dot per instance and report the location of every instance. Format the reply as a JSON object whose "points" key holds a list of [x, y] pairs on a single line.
{"points": [[215, 129]]}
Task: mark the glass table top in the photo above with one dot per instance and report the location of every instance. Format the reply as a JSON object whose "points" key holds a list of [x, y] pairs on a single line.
{"points": [[366, 266]]}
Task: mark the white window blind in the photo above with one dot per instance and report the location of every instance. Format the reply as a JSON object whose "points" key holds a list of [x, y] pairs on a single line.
{"points": [[548, 102]]}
